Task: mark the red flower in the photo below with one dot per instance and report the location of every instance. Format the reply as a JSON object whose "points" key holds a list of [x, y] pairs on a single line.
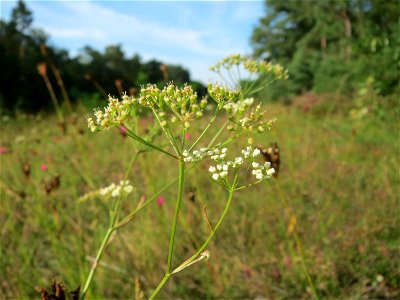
{"points": [[160, 201], [4, 150]]}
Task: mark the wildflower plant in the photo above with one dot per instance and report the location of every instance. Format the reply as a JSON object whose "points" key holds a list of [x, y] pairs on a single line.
{"points": [[175, 109]]}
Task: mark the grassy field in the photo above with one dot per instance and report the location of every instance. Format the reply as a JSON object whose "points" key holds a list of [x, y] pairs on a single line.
{"points": [[339, 177]]}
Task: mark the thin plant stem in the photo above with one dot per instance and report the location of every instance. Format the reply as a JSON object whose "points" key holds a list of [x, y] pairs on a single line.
{"points": [[298, 242], [96, 262], [160, 286], [205, 130], [107, 236], [130, 216], [170, 137], [53, 98], [79, 169], [173, 230], [177, 209], [134, 158], [218, 134], [148, 144], [200, 250]]}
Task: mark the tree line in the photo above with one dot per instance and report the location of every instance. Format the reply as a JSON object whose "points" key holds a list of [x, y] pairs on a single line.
{"points": [[331, 45], [29, 64]]}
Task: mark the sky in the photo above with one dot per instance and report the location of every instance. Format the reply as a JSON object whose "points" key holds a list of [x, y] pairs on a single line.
{"points": [[194, 34]]}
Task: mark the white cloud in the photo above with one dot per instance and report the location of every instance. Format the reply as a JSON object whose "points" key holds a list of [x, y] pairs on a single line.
{"points": [[93, 21], [192, 34]]}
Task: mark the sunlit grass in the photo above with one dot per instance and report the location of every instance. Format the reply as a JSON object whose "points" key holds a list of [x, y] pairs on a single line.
{"points": [[339, 177]]}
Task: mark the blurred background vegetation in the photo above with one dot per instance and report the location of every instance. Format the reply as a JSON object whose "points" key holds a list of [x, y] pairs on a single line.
{"points": [[327, 46], [338, 134], [88, 77]]}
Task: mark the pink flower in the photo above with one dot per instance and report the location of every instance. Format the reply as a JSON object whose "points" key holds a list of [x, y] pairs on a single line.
{"points": [[187, 135], [160, 201], [44, 167], [4, 150]]}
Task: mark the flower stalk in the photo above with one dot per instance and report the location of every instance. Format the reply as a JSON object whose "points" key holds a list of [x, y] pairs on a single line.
{"points": [[176, 215]]}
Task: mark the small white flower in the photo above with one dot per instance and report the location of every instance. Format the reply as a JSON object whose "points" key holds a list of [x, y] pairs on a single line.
{"points": [[128, 189], [270, 171], [222, 156], [116, 192], [211, 169], [248, 101], [256, 152], [255, 165], [246, 153], [215, 176], [238, 160], [223, 174], [219, 167], [267, 165], [225, 167], [224, 150], [259, 176]]}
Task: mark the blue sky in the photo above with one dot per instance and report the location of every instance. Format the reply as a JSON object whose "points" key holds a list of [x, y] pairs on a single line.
{"points": [[194, 34]]}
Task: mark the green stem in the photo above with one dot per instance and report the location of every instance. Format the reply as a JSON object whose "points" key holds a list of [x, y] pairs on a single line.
{"points": [[231, 191], [96, 262], [205, 130], [134, 158], [129, 217], [177, 209], [218, 134], [168, 134], [110, 230], [148, 144], [168, 274], [160, 285], [173, 230]]}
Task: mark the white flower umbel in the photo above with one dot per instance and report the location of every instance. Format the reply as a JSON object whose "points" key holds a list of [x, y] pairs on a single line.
{"points": [[114, 114], [114, 190], [221, 171], [202, 153]]}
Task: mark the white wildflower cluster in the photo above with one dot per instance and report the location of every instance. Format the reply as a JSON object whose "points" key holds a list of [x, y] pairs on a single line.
{"points": [[255, 120], [251, 65], [223, 95], [202, 153], [172, 103], [265, 67], [114, 114], [238, 108], [260, 171], [116, 190]]}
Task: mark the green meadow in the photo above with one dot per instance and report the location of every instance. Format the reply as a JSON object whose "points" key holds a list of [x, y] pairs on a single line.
{"points": [[328, 222]]}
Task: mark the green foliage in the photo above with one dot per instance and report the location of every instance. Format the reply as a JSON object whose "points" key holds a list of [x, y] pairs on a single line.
{"points": [[340, 178], [23, 47], [331, 46]]}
